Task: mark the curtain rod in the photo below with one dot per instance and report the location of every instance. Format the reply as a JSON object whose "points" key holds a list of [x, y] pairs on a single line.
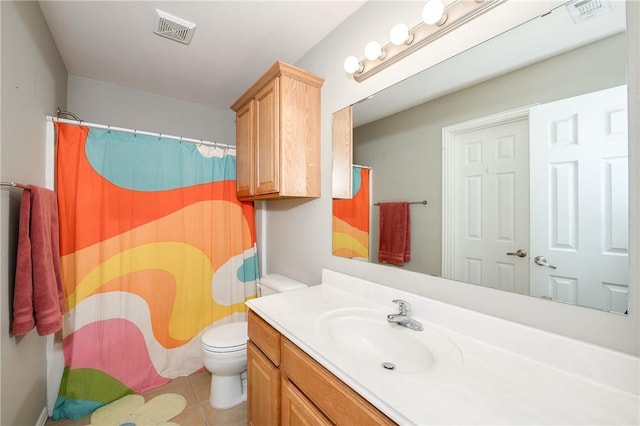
{"points": [[140, 132]]}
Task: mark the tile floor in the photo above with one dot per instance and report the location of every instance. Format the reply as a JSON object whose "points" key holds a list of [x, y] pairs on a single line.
{"points": [[195, 389]]}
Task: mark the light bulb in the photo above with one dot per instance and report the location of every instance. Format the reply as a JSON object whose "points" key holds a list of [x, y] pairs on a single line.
{"points": [[373, 51], [400, 35], [432, 12], [352, 65]]}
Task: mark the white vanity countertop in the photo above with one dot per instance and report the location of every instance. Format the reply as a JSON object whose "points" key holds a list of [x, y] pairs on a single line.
{"points": [[491, 385]]}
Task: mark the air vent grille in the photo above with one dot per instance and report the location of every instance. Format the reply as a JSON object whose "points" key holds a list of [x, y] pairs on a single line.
{"points": [[584, 10], [169, 26]]}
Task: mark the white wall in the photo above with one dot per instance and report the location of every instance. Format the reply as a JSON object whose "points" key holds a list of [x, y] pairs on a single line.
{"points": [[299, 232], [34, 84], [105, 103]]}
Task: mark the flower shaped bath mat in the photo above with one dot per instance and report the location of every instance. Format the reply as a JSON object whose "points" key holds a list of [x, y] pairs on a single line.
{"points": [[131, 410]]}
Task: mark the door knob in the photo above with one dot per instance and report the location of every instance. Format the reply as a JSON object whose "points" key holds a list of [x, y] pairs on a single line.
{"points": [[542, 261], [519, 253]]}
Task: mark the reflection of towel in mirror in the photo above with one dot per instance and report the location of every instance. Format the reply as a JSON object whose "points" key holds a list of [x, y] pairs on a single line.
{"points": [[395, 233], [38, 298]]}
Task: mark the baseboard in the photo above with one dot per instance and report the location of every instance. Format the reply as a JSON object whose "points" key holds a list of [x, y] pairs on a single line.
{"points": [[44, 415]]}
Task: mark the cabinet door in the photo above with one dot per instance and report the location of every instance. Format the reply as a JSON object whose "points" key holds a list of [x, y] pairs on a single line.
{"points": [[263, 389], [268, 139], [298, 410], [245, 150], [342, 153]]}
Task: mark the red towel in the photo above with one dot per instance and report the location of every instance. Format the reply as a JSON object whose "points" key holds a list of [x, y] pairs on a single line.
{"points": [[395, 233], [38, 298]]}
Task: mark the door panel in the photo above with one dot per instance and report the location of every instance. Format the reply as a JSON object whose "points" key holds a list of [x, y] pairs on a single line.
{"points": [[245, 145], [491, 208], [579, 169], [267, 139]]}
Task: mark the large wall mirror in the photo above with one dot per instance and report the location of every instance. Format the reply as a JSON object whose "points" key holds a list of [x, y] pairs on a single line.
{"points": [[519, 147]]}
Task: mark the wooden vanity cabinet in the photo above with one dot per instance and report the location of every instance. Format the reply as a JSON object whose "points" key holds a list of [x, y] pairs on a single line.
{"points": [[286, 386], [298, 410], [263, 388], [278, 135], [263, 375]]}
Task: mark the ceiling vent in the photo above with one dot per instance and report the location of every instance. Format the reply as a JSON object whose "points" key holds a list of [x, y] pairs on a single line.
{"points": [[584, 10], [169, 26]]}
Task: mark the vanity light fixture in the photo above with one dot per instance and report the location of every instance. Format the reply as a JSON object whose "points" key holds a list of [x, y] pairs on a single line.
{"points": [[373, 51], [352, 65], [400, 35], [437, 20], [433, 13]]}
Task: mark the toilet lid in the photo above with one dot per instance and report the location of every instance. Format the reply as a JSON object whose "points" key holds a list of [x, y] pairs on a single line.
{"points": [[226, 336]]}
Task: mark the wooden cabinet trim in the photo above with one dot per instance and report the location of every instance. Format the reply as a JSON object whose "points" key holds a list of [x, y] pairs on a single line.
{"points": [[277, 69]]}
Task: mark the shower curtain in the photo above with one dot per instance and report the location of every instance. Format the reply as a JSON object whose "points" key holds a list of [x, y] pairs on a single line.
{"points": [[351, 218], [155, 248]]}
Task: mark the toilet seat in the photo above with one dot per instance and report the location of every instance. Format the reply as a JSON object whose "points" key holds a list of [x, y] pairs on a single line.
{"points": [[226, 338]]}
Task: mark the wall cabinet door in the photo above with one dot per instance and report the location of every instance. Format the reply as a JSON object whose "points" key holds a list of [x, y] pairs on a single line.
{"points": [[245, 147], [263, 389], [267, 139], [298, 410]]}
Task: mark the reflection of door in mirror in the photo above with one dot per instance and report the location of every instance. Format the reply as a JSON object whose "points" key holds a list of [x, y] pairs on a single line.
{"points": [[486, 171], [579, 200], [405, 147], [577, 190]]}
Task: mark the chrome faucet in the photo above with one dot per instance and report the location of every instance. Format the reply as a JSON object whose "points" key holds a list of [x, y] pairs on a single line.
{"points": [[403, 317]]}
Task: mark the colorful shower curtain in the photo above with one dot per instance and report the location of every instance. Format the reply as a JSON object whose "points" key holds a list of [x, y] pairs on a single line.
{"points": [[351, 219], [155, 248]]}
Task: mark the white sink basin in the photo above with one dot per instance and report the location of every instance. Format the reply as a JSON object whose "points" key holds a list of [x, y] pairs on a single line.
{"points": [[365, 336]]}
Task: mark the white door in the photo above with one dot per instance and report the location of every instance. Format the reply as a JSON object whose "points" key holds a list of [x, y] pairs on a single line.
{"points": [[491, 218], [579, 200]]}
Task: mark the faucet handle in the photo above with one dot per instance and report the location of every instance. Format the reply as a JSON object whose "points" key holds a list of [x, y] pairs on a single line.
{"points": [[404, 306]]}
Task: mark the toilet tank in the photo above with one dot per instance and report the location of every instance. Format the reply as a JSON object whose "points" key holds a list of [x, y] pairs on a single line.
{"points": [[276, 283]]}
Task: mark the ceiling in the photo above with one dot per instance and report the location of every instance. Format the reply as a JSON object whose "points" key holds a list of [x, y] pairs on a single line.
{"points": [[233, 44]]}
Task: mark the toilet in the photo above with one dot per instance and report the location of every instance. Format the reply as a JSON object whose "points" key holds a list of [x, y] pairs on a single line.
{"points": [[224, 349]]}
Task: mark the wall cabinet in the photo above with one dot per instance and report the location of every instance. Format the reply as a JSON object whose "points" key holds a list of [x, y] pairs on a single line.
{"points": [[342, 153], [283, 378], [278, 135]]}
